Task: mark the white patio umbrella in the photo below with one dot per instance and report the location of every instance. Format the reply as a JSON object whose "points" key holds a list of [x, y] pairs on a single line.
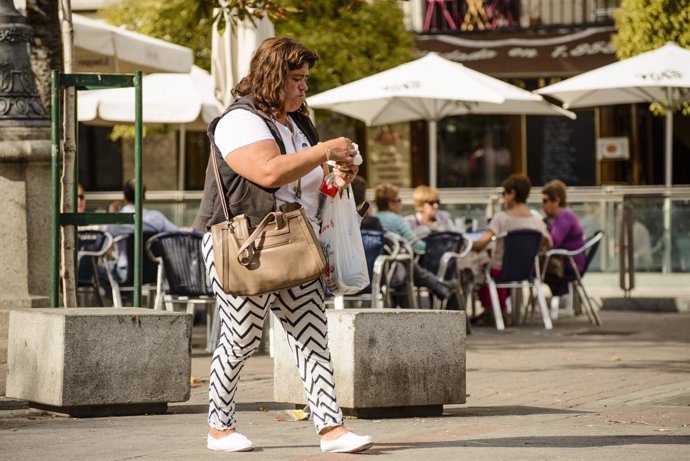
{"points": [[100, 47], [185, 100], [661, 75], [178, 99], [430, 88], [232, 52]]}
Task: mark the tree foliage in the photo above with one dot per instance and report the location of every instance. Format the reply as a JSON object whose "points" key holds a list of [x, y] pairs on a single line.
{"points": [[176, 21], [239, 10], [644, 25], [353, 39]]}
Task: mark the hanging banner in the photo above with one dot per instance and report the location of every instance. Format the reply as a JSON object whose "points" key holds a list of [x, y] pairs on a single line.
{"points": [[526, 54]]}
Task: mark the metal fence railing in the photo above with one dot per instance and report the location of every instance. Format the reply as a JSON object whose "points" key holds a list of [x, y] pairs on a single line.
{"points": [[597, 207]]}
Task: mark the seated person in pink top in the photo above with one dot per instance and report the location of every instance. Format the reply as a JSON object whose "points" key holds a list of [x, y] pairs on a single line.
{"points": [[515, 215], [565, 229]]}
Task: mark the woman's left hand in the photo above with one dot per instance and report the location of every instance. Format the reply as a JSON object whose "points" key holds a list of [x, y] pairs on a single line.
{"points": [[344, 176]]}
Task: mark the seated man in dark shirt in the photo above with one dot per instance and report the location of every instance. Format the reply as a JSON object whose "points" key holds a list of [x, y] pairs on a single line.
{"points": [[153, 221], [369, 222]]}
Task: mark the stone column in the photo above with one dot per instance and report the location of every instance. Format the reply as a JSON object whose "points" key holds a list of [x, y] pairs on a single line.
{"points": [[24, 176]]}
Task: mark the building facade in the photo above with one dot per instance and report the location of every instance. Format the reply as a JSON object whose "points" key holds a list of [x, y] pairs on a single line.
{"points": [[531, 44]]}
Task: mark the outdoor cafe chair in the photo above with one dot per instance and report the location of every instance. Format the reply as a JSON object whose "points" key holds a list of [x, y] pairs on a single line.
{"points": [[444, 250], [181, 275], [520, 268], [124, 246], [92, 247], [574, 276], [383, 252], [398, 271], [374, 251]]}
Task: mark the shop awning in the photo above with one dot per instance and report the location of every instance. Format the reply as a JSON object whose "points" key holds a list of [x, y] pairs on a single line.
{"points": [[552, 54]]}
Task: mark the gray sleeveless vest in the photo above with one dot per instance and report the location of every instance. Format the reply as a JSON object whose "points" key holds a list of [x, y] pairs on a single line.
{"points": [[242, 195]]}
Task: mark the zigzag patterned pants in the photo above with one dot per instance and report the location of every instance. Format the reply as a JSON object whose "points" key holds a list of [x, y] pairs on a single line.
{"points": [[301, 312]]}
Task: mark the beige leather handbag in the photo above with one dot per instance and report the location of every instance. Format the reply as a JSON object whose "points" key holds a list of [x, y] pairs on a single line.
{"points": [[281, 252]]}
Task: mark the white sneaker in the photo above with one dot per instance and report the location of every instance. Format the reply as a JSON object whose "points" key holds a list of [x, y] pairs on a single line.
{"points": [[349, 442], [232, 442]]}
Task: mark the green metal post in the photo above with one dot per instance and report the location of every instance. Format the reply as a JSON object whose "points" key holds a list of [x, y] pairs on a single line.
{"points": [[71, 217], [139, 195], [75, 191], [55, 186]]}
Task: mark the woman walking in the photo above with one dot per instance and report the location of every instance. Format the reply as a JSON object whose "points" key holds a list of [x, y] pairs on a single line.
{"points": [[269, 154]]}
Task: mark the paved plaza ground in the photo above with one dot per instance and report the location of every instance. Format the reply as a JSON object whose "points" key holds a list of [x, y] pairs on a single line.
{"points": [[620, 391]]}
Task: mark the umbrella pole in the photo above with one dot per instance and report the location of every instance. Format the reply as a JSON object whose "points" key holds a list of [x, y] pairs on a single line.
{"points": [[181, 170], [181, 154], [432, 154], [668, 142], [668, 147]]}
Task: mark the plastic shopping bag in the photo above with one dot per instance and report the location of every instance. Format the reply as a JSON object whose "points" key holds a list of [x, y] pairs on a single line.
{"points": [[341, 240]]}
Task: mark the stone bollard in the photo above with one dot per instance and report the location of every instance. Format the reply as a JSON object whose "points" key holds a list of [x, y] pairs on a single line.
{"points": [[99, 361], [387, 362]]}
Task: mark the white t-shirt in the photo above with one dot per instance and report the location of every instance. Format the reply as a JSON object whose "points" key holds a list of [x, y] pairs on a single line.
{"points": [[239, 128], [503, 222]]}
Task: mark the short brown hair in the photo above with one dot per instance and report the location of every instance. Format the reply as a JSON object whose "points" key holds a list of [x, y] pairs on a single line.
{"points": [[384, 194], [520, 184], [424, 194], [268, 72], [555, 189], [129, 190]]}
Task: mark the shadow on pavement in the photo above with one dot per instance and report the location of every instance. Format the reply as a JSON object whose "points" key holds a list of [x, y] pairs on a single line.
{"points": [[12, 404], [449, 411], [514, 410], [556, 441], [585, 441], [670, 366], [196, 353], [251, 406]]}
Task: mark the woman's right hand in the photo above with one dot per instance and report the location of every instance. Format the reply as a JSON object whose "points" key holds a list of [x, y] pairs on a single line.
{"points": [[342, 150]]}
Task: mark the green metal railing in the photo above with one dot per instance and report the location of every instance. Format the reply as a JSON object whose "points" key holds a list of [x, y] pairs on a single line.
{"points": [[59, 83]]}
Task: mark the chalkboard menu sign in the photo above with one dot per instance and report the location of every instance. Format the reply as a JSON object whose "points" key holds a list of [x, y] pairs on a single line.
{"points": [[560, 148]]}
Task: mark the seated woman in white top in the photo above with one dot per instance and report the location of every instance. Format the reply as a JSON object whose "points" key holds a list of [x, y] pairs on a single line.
{"points": [[516, 215]]}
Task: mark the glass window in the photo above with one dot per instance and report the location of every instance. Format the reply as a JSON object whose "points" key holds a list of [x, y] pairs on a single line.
{"points": [[99, 159], [197, 148], [474, 151]]}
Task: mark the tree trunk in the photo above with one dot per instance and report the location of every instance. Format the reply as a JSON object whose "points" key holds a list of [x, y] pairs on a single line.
{"points": [[69, 154]]}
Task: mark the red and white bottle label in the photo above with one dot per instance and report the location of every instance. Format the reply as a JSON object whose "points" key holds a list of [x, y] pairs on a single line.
{"points": [[329, 188]]}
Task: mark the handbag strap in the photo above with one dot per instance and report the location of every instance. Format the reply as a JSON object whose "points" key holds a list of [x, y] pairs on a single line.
{"points": [[219, 183], [216, 173], [247, 245]]}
